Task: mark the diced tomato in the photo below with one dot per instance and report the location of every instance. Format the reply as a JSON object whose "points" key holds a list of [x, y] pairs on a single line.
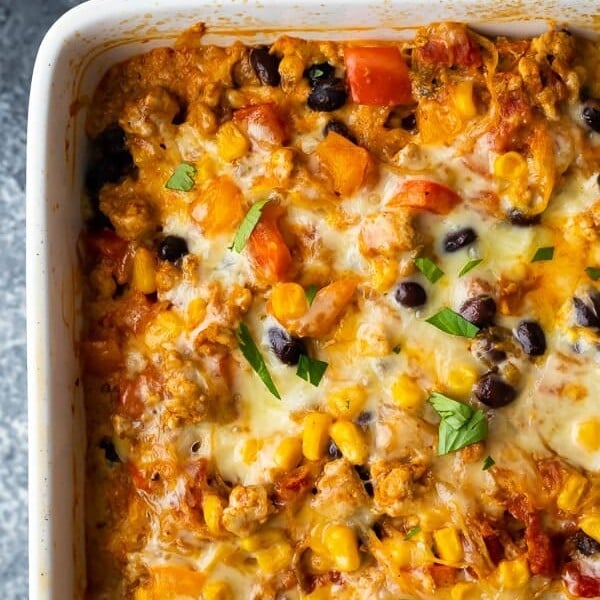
{"points": [[448, 46], [377, 75], [540, 553], [578, 584], [494, 547], [101, 357], [427, 195], [133, 392], [138, 477], [106, 243], [262, 123], [442, 575], [268, 248]]}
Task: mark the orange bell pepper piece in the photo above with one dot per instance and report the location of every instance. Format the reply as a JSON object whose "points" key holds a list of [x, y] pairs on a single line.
{"points": [[427, 195], [268, 249], [220, 207], [346, 163]]}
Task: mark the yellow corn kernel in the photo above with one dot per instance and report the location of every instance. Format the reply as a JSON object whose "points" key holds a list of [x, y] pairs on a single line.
{"points": [[291, 68], [250, 450], [460, 380], [289, 453], [464, 591], [212, 508], [463, 99], [572, 492], [385, 273], [347, 402], [288, 302], [513, 574], [196, 312], [399, 551], [350, 441], [144, 271], [276, 557], [342, 546], [315, 435], [217, 590], [588, 434], [262, 539], [407, 393], [231, 142], [165, 327], [281, 164], [448, 544], [591, 526], [510, 166], [205, 169], [321, 593]]}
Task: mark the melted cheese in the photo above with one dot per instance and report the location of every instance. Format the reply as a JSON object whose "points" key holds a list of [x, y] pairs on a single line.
{"points": [[197, 422]]}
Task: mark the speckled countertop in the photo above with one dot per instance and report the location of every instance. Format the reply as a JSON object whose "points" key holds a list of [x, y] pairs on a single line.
{"points": [[22, 26]]}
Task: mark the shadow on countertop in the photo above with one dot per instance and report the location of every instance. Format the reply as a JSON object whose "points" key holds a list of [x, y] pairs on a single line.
{"points": [[22, 26]]}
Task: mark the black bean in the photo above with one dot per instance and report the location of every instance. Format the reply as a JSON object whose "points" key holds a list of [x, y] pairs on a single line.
{"points": [[410, 294], [172, 248], [112, 159], [340, 128], [287, 348], [327, 95], [319, 72], [493, 391], [590, 113], [365, 476], [531, 337], [266, 66], [409, 122], [112, 140], [109, 450], [521, 219], [333, 451], [479, 310], [585, 544], [584, 314], [455, 240], [364, 418]]}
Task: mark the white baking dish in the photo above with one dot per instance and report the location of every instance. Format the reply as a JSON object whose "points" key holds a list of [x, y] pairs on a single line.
{"points": [[72, 57]]}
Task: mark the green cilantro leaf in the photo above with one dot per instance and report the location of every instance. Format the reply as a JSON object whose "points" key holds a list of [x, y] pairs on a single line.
{"points": [[544, 253], [450, 322], [593, 273], [254, 357], [247, 226], [488, 462], [461, 425], [311, 292], [311, 369], [182, 179], [469, 266], [428, 268], [411, 534]]}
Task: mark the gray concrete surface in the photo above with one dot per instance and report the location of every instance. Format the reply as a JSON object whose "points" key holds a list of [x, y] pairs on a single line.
{"points": [[22, 26]]}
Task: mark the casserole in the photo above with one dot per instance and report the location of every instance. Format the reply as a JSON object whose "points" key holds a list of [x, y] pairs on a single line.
{"points": [[72, 58]]}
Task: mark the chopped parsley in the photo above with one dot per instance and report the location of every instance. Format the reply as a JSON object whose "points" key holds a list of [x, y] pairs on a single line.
{"points": [[182, 179], [253, 356], [450, 322], [428, 268]]}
